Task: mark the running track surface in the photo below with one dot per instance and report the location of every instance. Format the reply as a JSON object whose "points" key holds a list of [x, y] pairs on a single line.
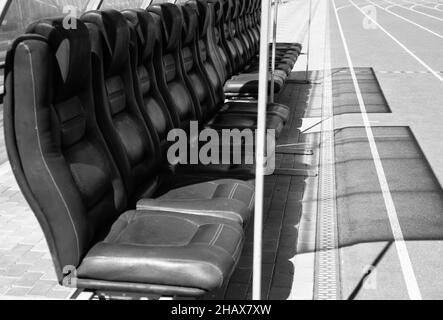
{"points": [[402, 40]]}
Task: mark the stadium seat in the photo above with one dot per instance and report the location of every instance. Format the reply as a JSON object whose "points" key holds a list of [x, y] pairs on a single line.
{"points": [[132, 142], [192, 101], [209, 60], [68, 175], [239, 67], [88, 141], [158, 114]]}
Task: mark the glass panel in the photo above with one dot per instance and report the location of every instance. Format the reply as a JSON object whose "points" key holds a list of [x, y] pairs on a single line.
{"points": [[161, 1], [22, 12], [121, 4]]}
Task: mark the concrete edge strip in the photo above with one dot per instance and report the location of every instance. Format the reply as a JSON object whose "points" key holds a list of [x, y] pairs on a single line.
{"points": [[327, 254]]}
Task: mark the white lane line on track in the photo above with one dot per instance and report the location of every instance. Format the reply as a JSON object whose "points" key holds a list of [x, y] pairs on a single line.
{"points": [[424, 64], [393, 4], [435, 5], [406, 19], [344, 7], [402, 250]]}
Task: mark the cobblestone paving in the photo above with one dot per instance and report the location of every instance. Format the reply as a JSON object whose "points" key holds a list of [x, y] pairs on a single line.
{"points": [[26, 270]]}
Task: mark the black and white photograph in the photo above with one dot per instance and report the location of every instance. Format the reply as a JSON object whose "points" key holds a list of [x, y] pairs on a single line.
{"points": [[221, 159]]}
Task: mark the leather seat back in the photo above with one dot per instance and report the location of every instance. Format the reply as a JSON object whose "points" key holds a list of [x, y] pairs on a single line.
{"points": [[228, 39], [135, 149], [240, 25], [219, 57], [208, 50], [256, 18], [247, 25], [58, 155], [235, 35], [252, 26], [145, 46], [168, 67], [195, 74]]}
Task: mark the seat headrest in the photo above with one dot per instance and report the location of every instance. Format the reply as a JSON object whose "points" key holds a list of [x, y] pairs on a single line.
{"points": [[171, 24], [145, 29], [243, 7], [251, 6], [228, 10], [236, 8], [257, 5], [190, 24], [201, 6], [247, 7], [72, 51], [115, 35], [218, 10]]}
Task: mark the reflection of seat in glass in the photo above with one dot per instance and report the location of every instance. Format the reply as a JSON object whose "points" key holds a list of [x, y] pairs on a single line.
{"points": [[121, 4], [23, 12]]}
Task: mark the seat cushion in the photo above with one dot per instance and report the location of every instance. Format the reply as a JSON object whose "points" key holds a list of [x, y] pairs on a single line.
{"points": [[231, 200], [245, 121], [248, 84], [166, 249], [251, 108], [288, 46]]}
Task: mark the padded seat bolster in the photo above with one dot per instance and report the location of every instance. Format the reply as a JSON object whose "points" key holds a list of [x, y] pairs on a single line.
{"points": [[233, 210], [229, 199], [248, 84], [168, 249], [289, 46]]}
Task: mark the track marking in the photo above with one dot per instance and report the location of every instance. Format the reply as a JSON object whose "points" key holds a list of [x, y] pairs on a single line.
{"points": [[400, 44], [434, 4], [405, 72], [344, 7], [413, 10], [406, 19], [402, 250]]}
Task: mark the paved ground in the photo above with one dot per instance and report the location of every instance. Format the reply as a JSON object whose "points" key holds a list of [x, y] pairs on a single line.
{"points": [[26, 270]]}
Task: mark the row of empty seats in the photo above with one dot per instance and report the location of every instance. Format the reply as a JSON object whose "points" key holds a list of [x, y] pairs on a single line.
{"points": [[87, 114]]}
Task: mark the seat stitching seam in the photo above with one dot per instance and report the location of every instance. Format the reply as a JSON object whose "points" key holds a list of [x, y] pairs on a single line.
{"points": [[195, 210], [251, 203], [236, 250], [215, 235], [218, 235], [233, 191], [41, 151]]}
